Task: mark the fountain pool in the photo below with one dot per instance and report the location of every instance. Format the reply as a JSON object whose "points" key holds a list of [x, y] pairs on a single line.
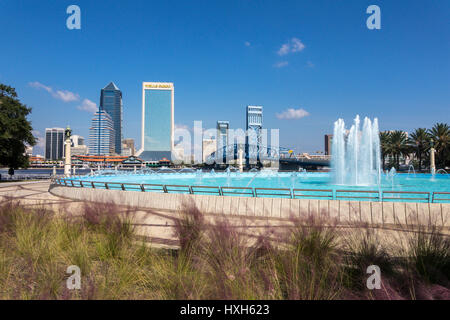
{"points": [[356, 175], [301, 184]]}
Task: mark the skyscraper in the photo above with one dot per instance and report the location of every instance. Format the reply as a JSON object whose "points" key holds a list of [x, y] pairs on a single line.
{"points": [[111, 102], [157, 121], [101, 134], [254, 115], [222, 140], [328, 143], [54, 143]]}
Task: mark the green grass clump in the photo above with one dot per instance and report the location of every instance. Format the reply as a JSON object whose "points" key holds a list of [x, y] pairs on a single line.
{"points": [[215, 260]]}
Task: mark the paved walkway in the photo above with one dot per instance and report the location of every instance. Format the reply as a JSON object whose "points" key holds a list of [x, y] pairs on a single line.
{"points": [[157, 226]]}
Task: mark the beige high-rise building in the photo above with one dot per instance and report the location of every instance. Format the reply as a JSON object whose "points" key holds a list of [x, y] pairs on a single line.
{"points": [[128, 148]]}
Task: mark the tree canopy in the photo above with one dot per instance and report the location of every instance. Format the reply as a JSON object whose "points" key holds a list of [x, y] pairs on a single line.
{"points": [[395, 144], [15, 129]]}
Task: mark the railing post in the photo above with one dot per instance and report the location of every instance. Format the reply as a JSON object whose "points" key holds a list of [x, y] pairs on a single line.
{"points": [[220, 191], [190, 190], [93, 185], [333, 194], [106, 185], [81, 184], [380, 196], [123, 186], [165, 189], [254, 193], [430, 197], [142, 188], [290, 193], [71, 181]]}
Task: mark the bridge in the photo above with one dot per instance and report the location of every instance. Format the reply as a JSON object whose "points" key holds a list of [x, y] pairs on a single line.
{"points": [[287, 160], [304, 161]]}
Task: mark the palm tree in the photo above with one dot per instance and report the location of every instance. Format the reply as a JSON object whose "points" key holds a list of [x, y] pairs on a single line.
{"points": [[385, 137], [440, 134], [398, 146], [420, 143]]}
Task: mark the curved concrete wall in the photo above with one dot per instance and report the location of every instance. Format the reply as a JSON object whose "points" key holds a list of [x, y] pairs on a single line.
{"points": [[344, 212]]}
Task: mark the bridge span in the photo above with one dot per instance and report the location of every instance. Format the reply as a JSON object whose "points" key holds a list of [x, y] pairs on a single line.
{"points": [[294, 163]]}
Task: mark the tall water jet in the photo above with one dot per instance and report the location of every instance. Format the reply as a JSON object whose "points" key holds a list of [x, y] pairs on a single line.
{"points": [[356, 155]]}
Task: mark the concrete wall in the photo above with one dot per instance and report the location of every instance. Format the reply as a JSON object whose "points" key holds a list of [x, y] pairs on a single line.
{"points": [[344, 212]]}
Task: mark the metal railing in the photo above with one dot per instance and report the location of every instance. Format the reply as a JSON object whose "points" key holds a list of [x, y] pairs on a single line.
{"points": [[326, 194]]}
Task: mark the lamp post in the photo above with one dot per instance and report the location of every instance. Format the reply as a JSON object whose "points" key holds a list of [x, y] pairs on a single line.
{"points": [[432, 157], [68, 158]]}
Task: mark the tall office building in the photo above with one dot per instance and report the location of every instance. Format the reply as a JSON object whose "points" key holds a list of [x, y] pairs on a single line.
{"points": [[101, 134], [328, 143], [111, 102], [254, 118], [222, 140], [54, 143], [157, 121]]}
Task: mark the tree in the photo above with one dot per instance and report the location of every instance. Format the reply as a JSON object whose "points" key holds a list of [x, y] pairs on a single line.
{"points": [[15, 129], [420, 143], [385, 137], [440, 134], [398, 146]]}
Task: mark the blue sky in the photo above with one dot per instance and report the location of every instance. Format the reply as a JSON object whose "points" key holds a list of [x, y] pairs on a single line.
{"points": [[224, 55]]}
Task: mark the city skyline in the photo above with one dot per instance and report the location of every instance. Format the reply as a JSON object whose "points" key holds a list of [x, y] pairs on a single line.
{"points": [[221, 63]]}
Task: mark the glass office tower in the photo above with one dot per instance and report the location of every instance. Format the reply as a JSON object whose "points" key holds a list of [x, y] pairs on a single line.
{"points": [[54, 143], [111, 102], [157, 121], [101, 134], [222, 140]]}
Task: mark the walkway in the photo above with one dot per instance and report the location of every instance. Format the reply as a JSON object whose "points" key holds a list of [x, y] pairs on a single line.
{"points": [[157, 226]]}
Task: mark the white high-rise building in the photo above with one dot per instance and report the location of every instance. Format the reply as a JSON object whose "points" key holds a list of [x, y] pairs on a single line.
{"points": [[157, 121]]}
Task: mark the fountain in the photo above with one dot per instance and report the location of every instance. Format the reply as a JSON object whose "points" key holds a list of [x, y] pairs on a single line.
{"points": [[413, 171], [356, 156], [186, 170], [356, 163], [253, 170]]}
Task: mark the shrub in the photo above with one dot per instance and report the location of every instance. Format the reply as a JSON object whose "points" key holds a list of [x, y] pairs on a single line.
{"points": [[430, 255]]}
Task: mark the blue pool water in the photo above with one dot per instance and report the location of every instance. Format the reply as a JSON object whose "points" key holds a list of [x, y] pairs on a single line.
{"points": [[311, 185]]}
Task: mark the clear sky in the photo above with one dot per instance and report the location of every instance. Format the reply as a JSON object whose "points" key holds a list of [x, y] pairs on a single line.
{"points": [[316, 57]]}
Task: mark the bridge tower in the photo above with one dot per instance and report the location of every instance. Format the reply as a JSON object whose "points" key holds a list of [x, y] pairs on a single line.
{"points": [[254, 115]]}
